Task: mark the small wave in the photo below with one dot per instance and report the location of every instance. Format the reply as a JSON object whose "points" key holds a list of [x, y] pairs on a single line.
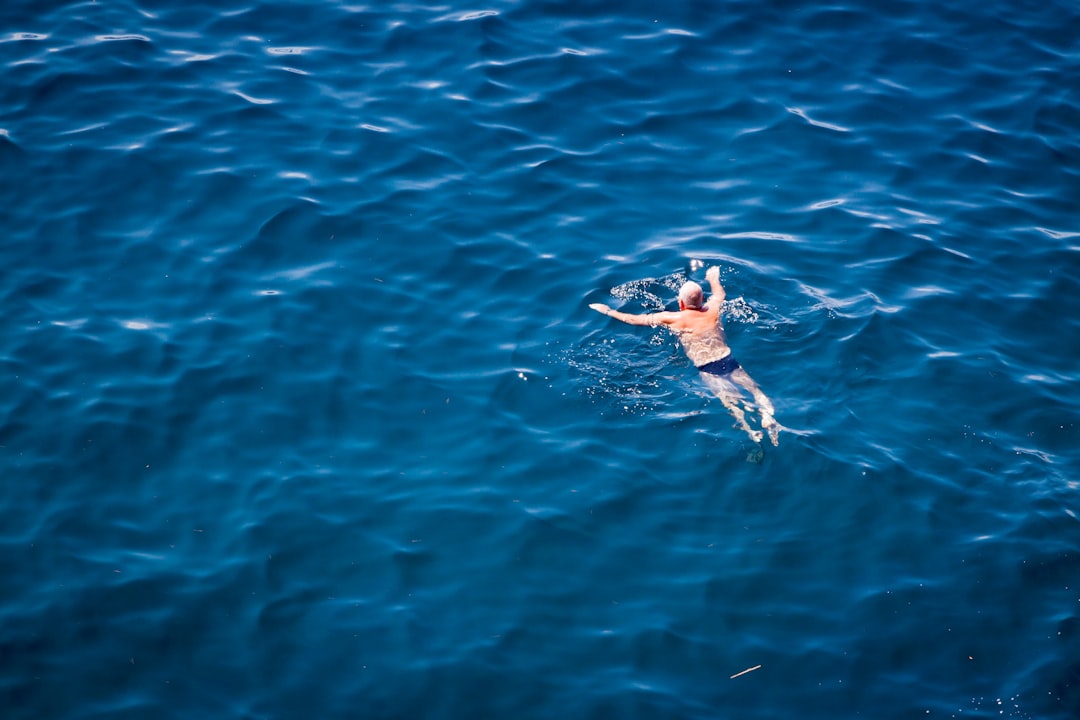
{"points": [[123, 38], [289, 50], [467, 16]]}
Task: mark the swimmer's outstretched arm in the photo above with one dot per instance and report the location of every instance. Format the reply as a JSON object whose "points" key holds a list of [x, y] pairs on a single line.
{"points": [[651, 319], [717, 290]]}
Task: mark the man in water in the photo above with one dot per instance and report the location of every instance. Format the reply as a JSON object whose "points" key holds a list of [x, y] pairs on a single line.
{"points": [[697, 325]]}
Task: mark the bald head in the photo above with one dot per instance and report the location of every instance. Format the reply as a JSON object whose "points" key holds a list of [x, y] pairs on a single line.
{"points": [[691, 295]]}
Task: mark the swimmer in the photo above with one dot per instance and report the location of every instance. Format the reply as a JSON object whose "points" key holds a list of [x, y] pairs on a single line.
{"points": [[697, 325]]}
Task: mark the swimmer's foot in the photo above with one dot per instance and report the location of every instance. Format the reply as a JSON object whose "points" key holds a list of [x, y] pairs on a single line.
{"points": [[755, 435], [755, 455], [769, 424]]}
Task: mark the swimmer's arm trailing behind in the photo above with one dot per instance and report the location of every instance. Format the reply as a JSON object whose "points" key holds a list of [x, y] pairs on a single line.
{"points": [[650, 319]]}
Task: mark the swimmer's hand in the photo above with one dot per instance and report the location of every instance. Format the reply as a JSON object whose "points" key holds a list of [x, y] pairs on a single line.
{"points": [[718, 294], [601, 308]]}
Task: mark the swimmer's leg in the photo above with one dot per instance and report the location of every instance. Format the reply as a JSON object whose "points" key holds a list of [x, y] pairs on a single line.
{"points": [[740, 417], [730, 397], [768, 422]]}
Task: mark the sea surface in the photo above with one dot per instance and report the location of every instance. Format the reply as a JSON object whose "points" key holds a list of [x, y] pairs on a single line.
{"points": [[303, 412]]}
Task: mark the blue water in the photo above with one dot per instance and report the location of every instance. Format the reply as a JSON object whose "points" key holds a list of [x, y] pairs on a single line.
{"points": [[305, 415]]}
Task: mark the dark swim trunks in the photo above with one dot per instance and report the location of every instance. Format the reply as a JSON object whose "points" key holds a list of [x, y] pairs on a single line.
{"points": [[723, 366]]}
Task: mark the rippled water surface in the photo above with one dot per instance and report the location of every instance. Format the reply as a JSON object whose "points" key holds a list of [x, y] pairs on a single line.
{"points": [[304, 413]]}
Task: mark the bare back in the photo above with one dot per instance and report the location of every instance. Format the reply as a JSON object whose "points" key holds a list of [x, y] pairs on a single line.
{"points": [[699, 331]]}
